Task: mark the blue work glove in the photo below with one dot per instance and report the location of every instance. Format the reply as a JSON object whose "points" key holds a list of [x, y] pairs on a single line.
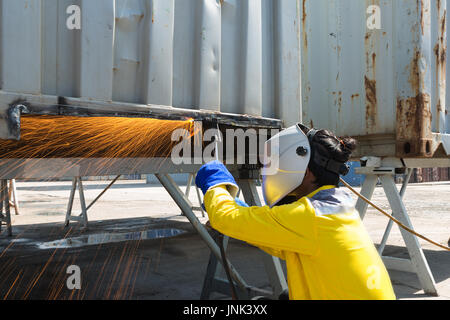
{"points": [[215, 174]]}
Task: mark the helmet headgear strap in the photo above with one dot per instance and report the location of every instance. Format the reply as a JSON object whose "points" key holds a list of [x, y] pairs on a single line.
{"points": [[322, 161]]}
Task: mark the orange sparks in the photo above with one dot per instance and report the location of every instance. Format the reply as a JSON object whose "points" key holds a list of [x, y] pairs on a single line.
{"points": [[107, 139], [93, 137]]}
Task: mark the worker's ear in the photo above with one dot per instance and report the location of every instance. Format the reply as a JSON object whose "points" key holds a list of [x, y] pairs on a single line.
{"points": [[308, 173], [309, 176]]}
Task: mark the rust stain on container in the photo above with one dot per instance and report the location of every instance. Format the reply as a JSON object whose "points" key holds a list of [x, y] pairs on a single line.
{"points": [[371, 102], [352, 98], [422, 23], [304, 11], [305, 33], [338, 100], [413, 127], [440, 52], [414, 76]]}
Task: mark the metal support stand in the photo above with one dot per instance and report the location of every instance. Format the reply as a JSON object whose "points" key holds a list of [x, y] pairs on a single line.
{"points": [[213, 281], [272, 264], [417, 262], [14, 201], [82, 218], [245, 291], [187, 191], [5, 215]]}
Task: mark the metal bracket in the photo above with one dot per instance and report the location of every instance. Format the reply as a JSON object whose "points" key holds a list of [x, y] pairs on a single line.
{"points": [[5, 217], [83, 216], [213, 282], [76, 181], [417, 263], [13, 199], [187, 191]]}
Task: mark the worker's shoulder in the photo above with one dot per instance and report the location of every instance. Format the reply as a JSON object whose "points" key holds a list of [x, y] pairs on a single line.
{"points": [[329, 201]]}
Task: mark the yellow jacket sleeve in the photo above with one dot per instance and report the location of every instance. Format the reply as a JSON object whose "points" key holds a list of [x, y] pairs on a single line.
{"points": [[289, 227], [273, 252]]}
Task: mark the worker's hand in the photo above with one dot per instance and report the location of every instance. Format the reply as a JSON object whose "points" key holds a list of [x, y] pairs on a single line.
{"points": [[215, 174]]}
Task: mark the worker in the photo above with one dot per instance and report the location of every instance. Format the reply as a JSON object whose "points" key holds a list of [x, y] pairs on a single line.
{"points": [[308, 221]]}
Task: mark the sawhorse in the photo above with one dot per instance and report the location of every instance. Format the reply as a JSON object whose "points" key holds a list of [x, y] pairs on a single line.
{"points": [[213, 282], [6, 195], [82, 217], [375, 170]]}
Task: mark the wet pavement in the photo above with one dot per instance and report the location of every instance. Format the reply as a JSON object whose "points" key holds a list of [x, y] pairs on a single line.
{"points": [[138, 246]]}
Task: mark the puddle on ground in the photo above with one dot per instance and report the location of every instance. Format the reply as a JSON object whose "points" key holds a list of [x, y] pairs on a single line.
{"points": [[100, 238], [16, 240], [50, 213]]}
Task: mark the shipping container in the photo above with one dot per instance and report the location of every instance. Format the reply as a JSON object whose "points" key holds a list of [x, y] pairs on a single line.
{"points": [[430, 175], [376, 70], [239, 57], [373, 69]]}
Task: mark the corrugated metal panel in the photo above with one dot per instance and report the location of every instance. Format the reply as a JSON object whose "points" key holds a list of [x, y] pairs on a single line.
{"points": [[310, 60], [231, 56], [385, 85], [430, 175]]}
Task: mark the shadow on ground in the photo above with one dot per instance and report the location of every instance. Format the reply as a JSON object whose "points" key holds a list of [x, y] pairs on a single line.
{"points": [[162, 268], [407, 284], [135, 268], [88, 186]]}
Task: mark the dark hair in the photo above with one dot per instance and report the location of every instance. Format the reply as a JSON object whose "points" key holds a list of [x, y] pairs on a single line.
{"points": [[330, 146]]}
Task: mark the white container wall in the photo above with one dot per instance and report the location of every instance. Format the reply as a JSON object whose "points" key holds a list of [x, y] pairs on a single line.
{"points": [[231, 56], [374, 69]]}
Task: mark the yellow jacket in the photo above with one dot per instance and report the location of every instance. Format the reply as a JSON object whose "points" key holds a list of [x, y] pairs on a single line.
{"points": [[328, 253]]}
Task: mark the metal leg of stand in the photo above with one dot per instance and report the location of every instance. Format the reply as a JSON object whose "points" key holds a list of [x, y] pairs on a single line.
{"points": [[83, 218], [13, 196], [245, 291], [390, 223], [2, 216], [188, 187], [83, 215], [6, 217], [272, 264], [417, 263], [187, 192], [200, 200], [212, 276], [367, 190], [70, 204]]}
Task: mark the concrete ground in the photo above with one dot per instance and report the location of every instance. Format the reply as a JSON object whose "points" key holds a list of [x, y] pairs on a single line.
{"points": [[121, 256]]}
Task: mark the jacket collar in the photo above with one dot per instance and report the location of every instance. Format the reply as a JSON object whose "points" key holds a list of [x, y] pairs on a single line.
{"points": [[326, 187]]}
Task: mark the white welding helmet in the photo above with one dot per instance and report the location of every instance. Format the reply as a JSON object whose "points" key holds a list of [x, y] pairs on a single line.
{"points": [[286, 158]]}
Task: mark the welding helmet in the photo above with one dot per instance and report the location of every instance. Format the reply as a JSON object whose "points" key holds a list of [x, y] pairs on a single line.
{"points": [[286, 158]]}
